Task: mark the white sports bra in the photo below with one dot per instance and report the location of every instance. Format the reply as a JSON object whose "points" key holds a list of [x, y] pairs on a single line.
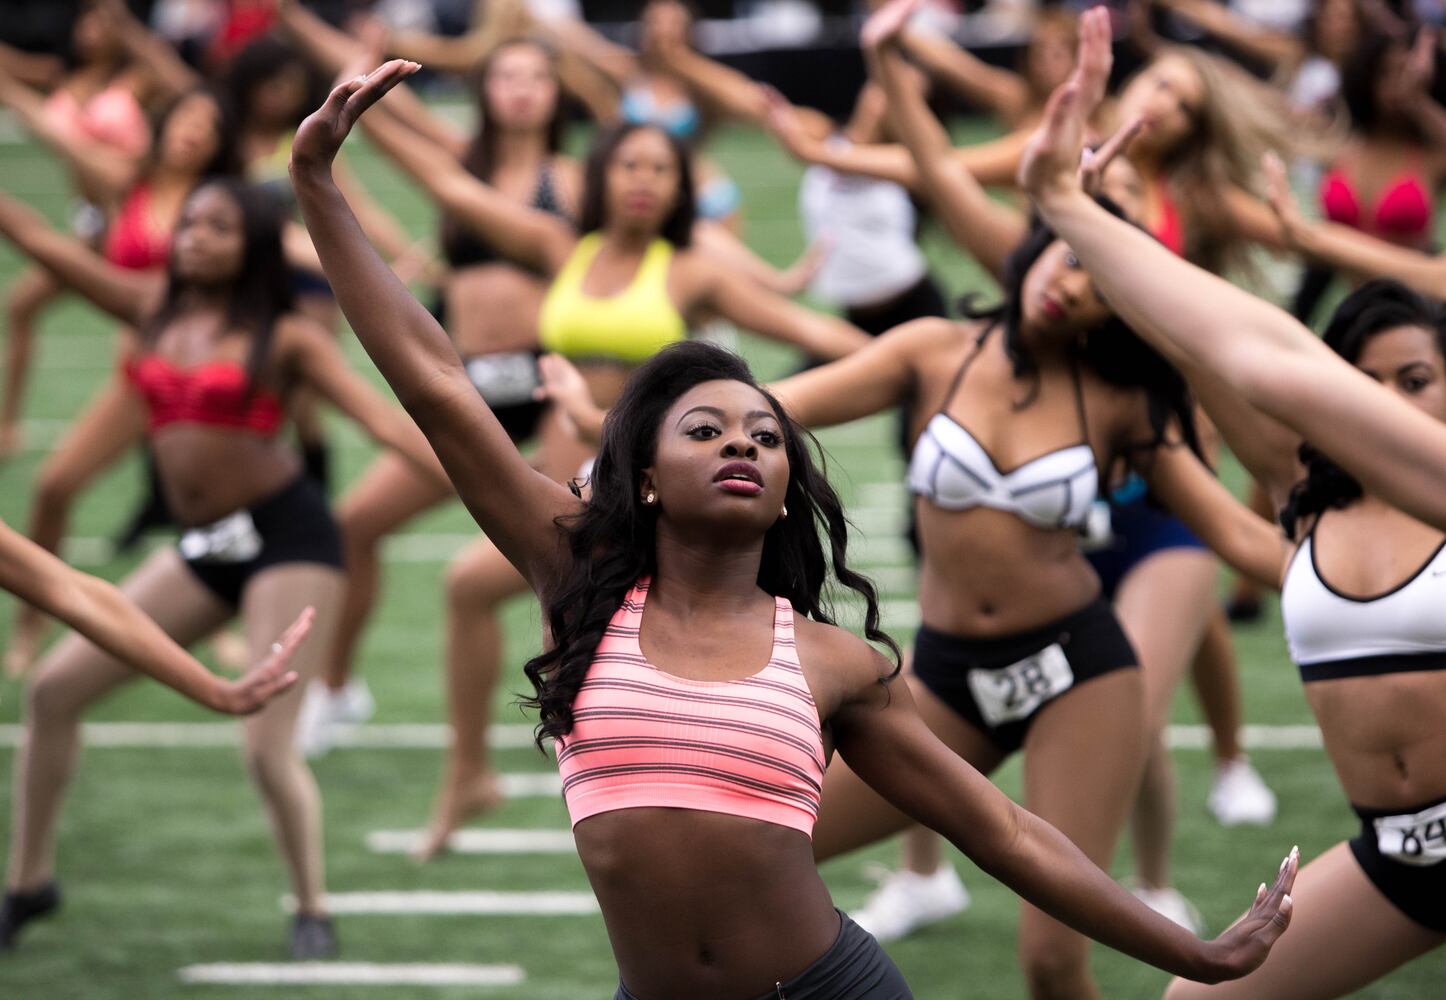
{"points": [[1332, 635], [951, 469]]}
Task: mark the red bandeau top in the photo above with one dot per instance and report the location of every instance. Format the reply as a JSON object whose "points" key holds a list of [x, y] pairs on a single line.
{"points": [[217, 394], [1403, 211]]}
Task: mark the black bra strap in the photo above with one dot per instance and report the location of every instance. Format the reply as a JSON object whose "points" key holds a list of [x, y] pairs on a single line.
{"points": [[964, 367]]}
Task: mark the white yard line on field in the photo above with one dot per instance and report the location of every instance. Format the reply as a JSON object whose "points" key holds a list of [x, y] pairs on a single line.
{"points": [[536, 841], [465, 902], [434, 736], [350, 974]]}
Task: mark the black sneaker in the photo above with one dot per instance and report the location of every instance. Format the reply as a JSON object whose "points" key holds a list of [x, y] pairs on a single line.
{"points": [[312, 937], [19, 908]]}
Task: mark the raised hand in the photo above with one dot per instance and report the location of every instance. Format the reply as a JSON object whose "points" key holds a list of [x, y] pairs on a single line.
{"points": [[1243, 947], [1282, 199], [1093, 162], [270, 678], [887, 23], [325, 129], [1051, 161]]}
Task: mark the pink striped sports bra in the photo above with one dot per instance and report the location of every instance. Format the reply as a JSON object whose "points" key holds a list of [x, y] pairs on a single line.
{"points": [[643, 738]]}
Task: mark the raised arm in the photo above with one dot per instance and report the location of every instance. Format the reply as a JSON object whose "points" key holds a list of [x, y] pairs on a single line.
{"points": [[164, 69], [999, 91], [1246, 541], [770, 315], [105, 616], [535, 239], [874, 378], [881, 736], [1278, 49], [986, 228], [125, 294], [104, 172], [513, 503], [314, 354], [1277, 365], [333, 51]]}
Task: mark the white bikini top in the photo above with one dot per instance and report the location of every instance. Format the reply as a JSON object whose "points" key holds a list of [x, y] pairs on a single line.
{"points": [[951, 469], [1333, 635]]}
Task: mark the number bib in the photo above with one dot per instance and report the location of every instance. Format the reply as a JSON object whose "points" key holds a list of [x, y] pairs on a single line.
{"points": [[504, 379], [1014, 692], [1418, 839], [233, 539]]}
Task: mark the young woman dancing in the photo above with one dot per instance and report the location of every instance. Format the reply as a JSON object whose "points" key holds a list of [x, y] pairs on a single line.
{"points": [[104, 615], [623, 284], [1356, 588], [192, 144], [693, 791], [489, 305], [217, 355], [89, 108], [1158, 596]]}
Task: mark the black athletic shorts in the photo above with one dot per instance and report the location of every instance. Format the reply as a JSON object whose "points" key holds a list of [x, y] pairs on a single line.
{"points": [[997, 685], [505, 382], [293, 525], [855, 967], [1403, 853]]}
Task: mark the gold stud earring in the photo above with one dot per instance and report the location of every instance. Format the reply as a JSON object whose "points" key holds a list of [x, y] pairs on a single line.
{"points": [[651, 498], [784, 515]]}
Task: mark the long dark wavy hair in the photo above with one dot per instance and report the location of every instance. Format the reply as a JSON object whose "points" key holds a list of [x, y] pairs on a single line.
{"points": [[480, 159], [677, 228], [613, 538], [1112, 350], [260, 293], [1372, 309]]}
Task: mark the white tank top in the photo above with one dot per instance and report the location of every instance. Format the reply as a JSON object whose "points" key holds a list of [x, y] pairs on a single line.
{"points": [[1333, 635], [872, 255]]}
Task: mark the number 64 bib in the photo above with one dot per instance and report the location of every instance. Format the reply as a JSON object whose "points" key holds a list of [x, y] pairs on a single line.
{"points": [[1011, 693]]}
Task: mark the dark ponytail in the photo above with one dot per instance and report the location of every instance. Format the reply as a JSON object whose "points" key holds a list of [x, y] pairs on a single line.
{"points": [[1375, 307]]}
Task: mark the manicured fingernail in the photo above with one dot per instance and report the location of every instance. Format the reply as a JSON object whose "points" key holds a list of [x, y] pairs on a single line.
{"points": [[1261, 891]]}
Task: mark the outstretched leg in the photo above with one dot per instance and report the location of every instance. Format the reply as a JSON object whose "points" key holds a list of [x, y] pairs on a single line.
{"points": [[1343, 935], [1082, 764], [72, 677], [478, 581]]}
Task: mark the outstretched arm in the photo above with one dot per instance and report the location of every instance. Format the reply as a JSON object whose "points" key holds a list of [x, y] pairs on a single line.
{"points": [[872, 379], [999, 91], [1349, 249], [986, 228], [105, 616], [770, 315], [127, 295], [165, 70], [1276, 48], [104, 172], [513, 503], [1396, 450], [532, 238], [881, 736]]}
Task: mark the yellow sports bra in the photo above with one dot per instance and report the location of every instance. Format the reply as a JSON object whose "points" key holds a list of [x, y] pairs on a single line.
{"points": [[628, 327]]}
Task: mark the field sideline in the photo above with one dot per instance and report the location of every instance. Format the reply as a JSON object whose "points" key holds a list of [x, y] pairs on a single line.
{"points": [[169, 872]]}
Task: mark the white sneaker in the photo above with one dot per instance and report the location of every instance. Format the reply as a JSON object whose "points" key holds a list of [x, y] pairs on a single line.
{"points": [[1239, 795], [1169, 904], [323, 711], [906, 901]]}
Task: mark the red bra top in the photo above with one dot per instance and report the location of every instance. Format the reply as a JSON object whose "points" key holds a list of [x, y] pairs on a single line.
{"points": [[218, 394], [1403, 212], [1169, 230], [133, 241]]}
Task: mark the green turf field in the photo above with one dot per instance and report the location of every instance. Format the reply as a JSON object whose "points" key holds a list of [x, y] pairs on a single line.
{"points": [[165, 857]]}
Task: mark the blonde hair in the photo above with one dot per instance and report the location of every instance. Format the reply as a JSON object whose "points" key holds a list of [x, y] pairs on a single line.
{"points": [[1239, 119]]}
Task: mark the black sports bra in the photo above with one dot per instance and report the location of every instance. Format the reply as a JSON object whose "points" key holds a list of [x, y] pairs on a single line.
{"points": [[461, 245]]}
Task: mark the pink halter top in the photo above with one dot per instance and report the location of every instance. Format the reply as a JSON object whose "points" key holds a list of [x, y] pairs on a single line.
{"points": [[643, 738]]}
